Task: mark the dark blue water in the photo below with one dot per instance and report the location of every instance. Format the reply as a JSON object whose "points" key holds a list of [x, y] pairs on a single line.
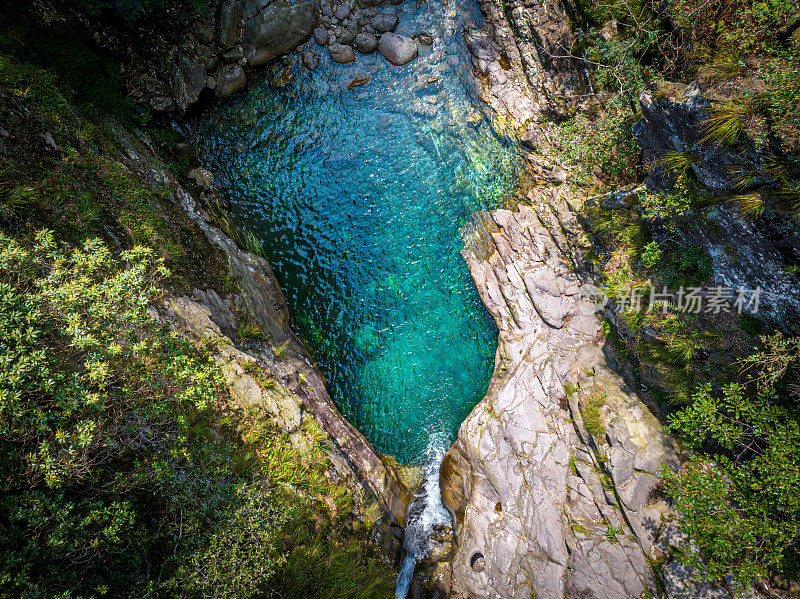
{"points": [[359, 196]]}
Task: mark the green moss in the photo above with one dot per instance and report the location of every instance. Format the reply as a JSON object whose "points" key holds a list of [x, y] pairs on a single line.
{"points": [[590, 411]]}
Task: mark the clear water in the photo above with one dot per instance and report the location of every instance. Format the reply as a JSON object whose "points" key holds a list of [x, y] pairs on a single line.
{"points": [[359, 196]]}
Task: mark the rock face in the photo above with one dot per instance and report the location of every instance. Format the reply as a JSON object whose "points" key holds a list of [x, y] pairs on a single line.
{"points": [[397, 49], [676, 123], [187, 81], [764, 248], [298, 390], [518, 54], [218, 50], [532, 492]]}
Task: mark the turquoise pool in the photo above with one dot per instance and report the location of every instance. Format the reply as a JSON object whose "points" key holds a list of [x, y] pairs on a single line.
{"points": [[358, 195]]}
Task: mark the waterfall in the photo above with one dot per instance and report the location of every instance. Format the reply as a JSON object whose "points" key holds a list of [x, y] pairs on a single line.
{"points": [[425, 511]]}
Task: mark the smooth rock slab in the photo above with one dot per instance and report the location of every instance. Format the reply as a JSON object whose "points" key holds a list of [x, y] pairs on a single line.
{"points": [[397, 49], [341, 53]]}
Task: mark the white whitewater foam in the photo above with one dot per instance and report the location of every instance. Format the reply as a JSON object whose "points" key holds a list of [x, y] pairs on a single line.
{"points": [[425, 511]]}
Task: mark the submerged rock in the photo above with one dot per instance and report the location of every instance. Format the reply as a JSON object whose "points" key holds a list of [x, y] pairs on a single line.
{"points": [[310, 60], [341, 53], [358, 81], [397, 49]]}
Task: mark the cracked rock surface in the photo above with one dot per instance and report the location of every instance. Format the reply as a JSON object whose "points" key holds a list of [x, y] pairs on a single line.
{"points": [[553, 510]]}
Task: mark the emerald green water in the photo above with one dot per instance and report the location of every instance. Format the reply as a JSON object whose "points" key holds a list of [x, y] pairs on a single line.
{"points": [[358, 196]]}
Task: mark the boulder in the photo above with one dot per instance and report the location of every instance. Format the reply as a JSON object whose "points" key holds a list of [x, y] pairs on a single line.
{"points": [[230, 79], [366, 43], [321, 36], [278, 27], [384, 22], [310, 60], [202, 177], [187, 80], [397, 49], [341, 53], [342, 12], [347, 37], [233, 55], [229, 24], [203, 33]]}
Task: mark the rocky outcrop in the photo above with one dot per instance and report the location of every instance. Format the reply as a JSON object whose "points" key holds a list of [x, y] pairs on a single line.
{"points": [[523, 57], [272, 370], [745, 253], [218, 50], [542, 506]]}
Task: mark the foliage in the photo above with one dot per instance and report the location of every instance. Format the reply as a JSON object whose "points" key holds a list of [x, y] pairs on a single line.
{"points": [[590, 405], [745, 26], [651, 254], [604, 145], [125, 469], [668, 208], [683, 264], [739, 491]]}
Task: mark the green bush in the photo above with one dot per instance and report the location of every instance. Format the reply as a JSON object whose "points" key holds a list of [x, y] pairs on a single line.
{"points": [[605, 144], [739, 492], [125, 470]]}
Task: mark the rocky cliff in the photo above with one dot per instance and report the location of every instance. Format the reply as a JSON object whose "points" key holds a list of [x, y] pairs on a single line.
{"points": [[546, 505], [553, 482], [272, 369]]}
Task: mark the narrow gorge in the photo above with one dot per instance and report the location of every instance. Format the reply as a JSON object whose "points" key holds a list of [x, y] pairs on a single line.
{"points": [[413, 265]]}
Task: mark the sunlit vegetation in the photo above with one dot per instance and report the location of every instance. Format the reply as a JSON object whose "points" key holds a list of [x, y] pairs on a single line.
{"points": [[735, 409], [128, 471]]}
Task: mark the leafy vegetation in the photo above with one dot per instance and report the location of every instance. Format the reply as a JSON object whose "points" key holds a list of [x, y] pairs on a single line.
{"points": [[126, 469], [739, 490]]}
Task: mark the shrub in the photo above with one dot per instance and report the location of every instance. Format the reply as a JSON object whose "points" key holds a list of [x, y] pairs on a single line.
{"points": [[605, 144], [739, 491], [125, 470], [651, 254]]}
